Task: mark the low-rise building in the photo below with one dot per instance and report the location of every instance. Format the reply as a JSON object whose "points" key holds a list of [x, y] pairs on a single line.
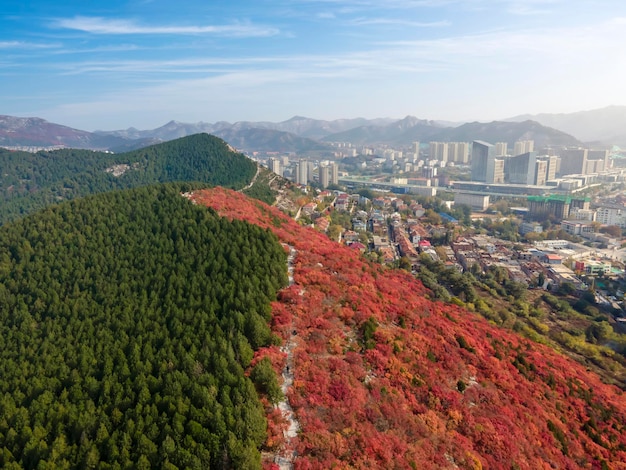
{"points": [[560, 274], [574, 227], [478, 202], [528, 227], [551, 258], [612, 215], [552, 244], [593, 267]]}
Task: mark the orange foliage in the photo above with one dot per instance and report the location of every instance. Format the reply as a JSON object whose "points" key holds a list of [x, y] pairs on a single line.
{"points": [[438, 388]]}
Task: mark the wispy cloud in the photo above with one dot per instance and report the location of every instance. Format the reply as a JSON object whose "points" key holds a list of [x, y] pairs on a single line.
{"points": [[105, 49], [18, 45], [398, 22], [175, 66], [530, 7], [98, 25], [513, 6], [494, 51]]}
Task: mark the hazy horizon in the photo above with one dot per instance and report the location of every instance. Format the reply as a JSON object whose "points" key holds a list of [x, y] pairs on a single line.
{"points": [[143, 63]]}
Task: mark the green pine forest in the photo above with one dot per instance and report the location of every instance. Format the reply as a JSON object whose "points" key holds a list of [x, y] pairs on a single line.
{"points": [[127, 320], [29, 182]]}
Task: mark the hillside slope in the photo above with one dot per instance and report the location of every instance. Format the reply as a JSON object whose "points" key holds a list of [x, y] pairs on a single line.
{"points": [[386, 378], [29, 181], [127, 321], [269, 140]]}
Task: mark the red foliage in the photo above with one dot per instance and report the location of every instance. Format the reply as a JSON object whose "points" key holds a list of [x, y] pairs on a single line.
{"points": [[445, 389]]}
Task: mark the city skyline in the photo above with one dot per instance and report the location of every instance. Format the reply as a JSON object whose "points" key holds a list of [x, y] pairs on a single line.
{"points": [[143, 63]]}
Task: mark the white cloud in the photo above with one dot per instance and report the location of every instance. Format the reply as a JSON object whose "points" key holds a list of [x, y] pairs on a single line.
{"points": [[398, 22], [97, 25], [618, 21], [527, 52], [25, 45], [462, 76]]}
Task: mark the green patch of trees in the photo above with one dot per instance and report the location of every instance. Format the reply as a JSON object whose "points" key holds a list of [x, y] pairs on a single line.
{"points": [[261, 188], [127, 320], [29, 182]]}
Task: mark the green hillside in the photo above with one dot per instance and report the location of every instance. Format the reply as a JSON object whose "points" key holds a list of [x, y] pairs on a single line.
{"points": [[31, 181], [126, 322]]}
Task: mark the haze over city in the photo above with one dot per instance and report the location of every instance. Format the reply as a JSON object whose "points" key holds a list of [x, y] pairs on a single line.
{"points": [[142, 63]]}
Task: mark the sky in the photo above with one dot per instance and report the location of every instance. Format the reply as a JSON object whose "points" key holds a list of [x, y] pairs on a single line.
{"points": [[96, 65]]}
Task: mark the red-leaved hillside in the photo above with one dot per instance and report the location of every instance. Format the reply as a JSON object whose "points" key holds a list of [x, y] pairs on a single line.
{"points": [[386, 378]]}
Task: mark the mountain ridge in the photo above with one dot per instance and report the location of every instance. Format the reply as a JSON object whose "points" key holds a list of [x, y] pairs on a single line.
{"points": [[605, 125], [37, 132], [510, 132], [297, 134]]}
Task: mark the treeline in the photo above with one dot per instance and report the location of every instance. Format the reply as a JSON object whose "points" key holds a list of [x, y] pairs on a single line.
{"points": [[29, 182], [127, 321]]}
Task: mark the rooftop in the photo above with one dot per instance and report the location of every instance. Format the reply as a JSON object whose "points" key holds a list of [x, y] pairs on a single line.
{"points": [[557, 197]]}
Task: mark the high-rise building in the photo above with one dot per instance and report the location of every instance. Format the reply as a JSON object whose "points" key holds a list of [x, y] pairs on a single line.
{"points": [[485, 166], [328, 174], [310, 171], [558, 206], [458, 152], [302, 172], [439, 151], [597, 161], [521, 169], [541, 172], [416, 149], [551, 162], [593, 166], [573, 161], [429, 171], [502, 148], [497, 176], [463, 150], [275, 164], [334, 173], [523, 146], [324, 175]]}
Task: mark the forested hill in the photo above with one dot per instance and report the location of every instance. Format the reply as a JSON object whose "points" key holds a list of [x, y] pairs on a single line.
{"points": [[127, 320], [31, 181], [134, 334]]}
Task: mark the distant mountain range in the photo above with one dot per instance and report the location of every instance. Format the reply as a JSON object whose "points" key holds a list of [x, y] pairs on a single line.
{"points": [[403, 132], [300, 134], [36, 132], [605, 125], [411, 129], [511, 132]]}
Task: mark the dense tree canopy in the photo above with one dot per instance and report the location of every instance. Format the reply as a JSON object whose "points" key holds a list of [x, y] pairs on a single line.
{"points": [[127, 320], [31, 181]]}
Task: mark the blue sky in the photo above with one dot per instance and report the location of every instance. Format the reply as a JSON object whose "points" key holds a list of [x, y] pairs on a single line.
{"points": [[115, 64]]}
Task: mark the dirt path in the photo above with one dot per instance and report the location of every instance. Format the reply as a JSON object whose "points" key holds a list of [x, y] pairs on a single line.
{"points": [[258, 170], [285, 457]]}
